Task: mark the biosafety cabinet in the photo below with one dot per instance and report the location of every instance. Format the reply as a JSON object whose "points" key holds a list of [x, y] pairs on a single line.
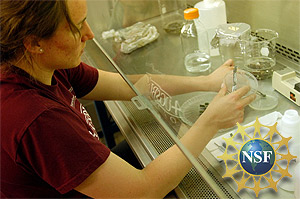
{"points": [[157, 117]]}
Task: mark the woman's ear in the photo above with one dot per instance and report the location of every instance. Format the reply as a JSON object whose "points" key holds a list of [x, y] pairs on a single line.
{"points": [[31, 44]]}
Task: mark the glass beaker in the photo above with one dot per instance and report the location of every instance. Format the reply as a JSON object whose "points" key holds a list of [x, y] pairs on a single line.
{"points": [[260, 53], [227, 39], [171, 12]]}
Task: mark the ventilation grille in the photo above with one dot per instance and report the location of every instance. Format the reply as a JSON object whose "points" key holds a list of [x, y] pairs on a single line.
{"points": [[288, 53], [160, 141]]}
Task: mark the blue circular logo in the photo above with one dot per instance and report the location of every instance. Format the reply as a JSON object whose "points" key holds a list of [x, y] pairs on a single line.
{"points": [[257, 157]]}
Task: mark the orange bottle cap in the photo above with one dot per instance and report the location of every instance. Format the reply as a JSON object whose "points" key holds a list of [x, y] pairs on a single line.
{"points": [[191, 13]]}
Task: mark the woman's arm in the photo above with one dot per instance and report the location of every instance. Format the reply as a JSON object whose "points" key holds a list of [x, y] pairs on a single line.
{"points": [[117, 179], [111, 86]]}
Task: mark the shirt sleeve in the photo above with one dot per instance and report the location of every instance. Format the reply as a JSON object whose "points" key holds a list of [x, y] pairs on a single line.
{"points": [[61, 150], [83, 79]]}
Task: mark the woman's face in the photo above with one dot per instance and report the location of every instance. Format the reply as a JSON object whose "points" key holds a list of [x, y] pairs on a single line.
{"points": [[63, 50]]}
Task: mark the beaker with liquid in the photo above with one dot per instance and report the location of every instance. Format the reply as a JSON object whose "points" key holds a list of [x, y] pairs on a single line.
{"points": [[260, 53]]}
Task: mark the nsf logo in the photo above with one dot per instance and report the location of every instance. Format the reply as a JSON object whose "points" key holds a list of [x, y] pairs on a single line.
{"points": [[253, 157], [257, 157]]}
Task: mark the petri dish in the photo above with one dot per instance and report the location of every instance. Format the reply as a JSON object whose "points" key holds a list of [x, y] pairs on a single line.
{"points": [[244, 78], [195, 106], [261, 103]]}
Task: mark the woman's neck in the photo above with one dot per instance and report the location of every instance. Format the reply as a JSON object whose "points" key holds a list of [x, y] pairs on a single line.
{"points": [[41, 74]]}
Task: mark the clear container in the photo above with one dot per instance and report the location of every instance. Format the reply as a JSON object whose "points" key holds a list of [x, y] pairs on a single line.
{"points": [[228, 37], [264, 101], [260, 53], [243, 78], [195, 44], [195, 106]]}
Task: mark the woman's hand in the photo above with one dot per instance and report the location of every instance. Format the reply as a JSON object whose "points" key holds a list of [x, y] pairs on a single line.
{"points": [[226, 110], [216, 77]]}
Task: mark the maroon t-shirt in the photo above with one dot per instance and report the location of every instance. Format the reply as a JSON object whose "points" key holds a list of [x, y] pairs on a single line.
{"points": [[48, 142]]}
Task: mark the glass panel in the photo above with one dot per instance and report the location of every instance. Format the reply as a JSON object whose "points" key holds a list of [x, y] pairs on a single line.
{"points": [[156, 71], [150, 70]]}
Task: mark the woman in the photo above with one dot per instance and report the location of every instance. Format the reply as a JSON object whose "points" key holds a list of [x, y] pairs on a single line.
{"points": [[49, 146]]}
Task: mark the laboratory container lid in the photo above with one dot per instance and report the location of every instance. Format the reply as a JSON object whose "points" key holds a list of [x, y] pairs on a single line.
{"points": [[237, 30], [231, 32], [191, 13]]}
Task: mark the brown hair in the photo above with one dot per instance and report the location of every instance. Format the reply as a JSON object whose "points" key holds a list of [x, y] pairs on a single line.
{"points": [[21, 18]]}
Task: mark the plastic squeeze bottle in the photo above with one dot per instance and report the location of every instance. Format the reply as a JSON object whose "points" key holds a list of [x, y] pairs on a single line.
{"points": [[212, 14], [195, 44], [289, 126]]}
